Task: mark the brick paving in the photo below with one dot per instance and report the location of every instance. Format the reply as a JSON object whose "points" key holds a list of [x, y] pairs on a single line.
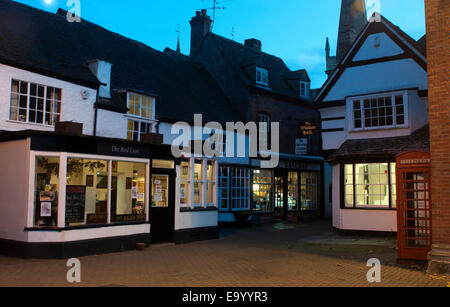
{"points": [[268, 255]]}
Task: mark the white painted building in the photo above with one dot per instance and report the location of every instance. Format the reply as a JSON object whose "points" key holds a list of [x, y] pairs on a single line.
{"points": [[374, 106]]}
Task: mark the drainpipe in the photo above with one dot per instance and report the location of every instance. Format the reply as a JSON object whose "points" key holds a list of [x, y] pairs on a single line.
{"points": [[96, 112]]}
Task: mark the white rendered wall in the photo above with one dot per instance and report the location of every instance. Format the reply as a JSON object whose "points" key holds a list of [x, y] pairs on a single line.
{"points": [[73, 107], [111, 124], [379, 77], [355, 219], [14, 161], [387, 47], [86, 234]]}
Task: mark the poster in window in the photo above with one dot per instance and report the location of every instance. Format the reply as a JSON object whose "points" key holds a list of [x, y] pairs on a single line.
{"points": [[47, 196], [46, 209], [75, 204]]}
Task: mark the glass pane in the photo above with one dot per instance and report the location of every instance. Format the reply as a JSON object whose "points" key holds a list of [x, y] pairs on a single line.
{"points": [[46, 191], [198, 193], [86, 191], [210, 171], [128, 188], [160, 191], [210, 193], [198, 174], [293, 191]]}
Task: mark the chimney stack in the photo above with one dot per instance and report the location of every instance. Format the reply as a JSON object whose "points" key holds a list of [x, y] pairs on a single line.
{"points": [[102, 70], [254, 43], [200, 26]]}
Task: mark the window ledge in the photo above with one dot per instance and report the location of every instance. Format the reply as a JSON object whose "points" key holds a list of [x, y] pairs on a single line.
{"points": [[56, 229], [28, 123], [371, 209], [198, 209]]}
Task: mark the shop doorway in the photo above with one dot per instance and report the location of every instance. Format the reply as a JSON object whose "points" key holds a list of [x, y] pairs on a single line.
{"points": [[163, 206], [413, 206]]}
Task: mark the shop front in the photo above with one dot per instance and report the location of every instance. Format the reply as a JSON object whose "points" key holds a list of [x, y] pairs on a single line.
{"points": [[291, 191], [65, 196]]}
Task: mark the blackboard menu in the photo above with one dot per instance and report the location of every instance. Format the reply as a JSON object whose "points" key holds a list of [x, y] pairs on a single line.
{"points": [[75, 204]]}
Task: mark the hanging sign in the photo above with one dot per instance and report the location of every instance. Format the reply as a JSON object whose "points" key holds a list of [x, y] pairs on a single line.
{"points": [[308, 129]]}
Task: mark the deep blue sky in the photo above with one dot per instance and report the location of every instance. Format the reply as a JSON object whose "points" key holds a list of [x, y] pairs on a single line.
{"points": [[294, 30]]}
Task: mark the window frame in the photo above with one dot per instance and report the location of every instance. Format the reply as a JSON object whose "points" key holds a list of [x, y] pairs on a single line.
{"points": [[53, 103], [391, 171], [63, 157], [139, 132], [361, 98], [264, 75], [307, 93]]}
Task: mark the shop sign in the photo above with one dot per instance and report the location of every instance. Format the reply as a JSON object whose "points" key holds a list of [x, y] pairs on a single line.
{"points": [[123, 150], [308, 129], [415, 161], [298, 165], [301, 146]]}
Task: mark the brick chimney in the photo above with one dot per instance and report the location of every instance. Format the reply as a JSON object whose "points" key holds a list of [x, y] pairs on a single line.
{"points": [[200, 26], [254, 43]]}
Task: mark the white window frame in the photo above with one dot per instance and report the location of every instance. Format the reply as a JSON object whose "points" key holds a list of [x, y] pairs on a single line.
{"points": [[241, 171], [306, 94], [203, 181], [63, 156], [140, 103], [264, 79], [351, 114], [44, 98], [140, 123]]}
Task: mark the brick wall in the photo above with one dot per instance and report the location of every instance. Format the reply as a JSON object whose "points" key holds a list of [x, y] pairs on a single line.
{"points": [[437, 12]]}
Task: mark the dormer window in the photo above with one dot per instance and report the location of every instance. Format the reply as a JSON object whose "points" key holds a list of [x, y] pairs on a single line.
{"points": [[304, 89], [141, 116], [262, 76]]}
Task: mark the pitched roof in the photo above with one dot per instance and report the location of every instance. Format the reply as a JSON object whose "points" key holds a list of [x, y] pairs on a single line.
{"points": [[48, 42], [373, 24], [383, 147], [240, 57]]}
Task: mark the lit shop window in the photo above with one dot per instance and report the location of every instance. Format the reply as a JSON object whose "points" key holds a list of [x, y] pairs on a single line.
{"points": [[379, 112], [263, 190], [128, 191], [185, 186], [46, 191], [370, 185], [293, 191], [309, 191], [86, 192], [34, 103], [198, 182], [210, 183]]}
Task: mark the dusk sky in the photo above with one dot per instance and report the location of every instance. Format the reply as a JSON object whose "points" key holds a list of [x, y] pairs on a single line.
{"points": [[294, 30]]}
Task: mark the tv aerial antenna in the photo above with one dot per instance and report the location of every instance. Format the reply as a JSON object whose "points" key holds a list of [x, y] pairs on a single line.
{"points": [[217, 5]]}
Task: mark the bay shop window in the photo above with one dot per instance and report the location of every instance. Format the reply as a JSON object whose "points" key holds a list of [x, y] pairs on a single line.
{"points": [[92, 190], [370, 185], [198, 183]]}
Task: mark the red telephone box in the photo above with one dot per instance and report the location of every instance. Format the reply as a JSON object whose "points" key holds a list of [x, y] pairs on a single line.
{"points": [[413, 205]]}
